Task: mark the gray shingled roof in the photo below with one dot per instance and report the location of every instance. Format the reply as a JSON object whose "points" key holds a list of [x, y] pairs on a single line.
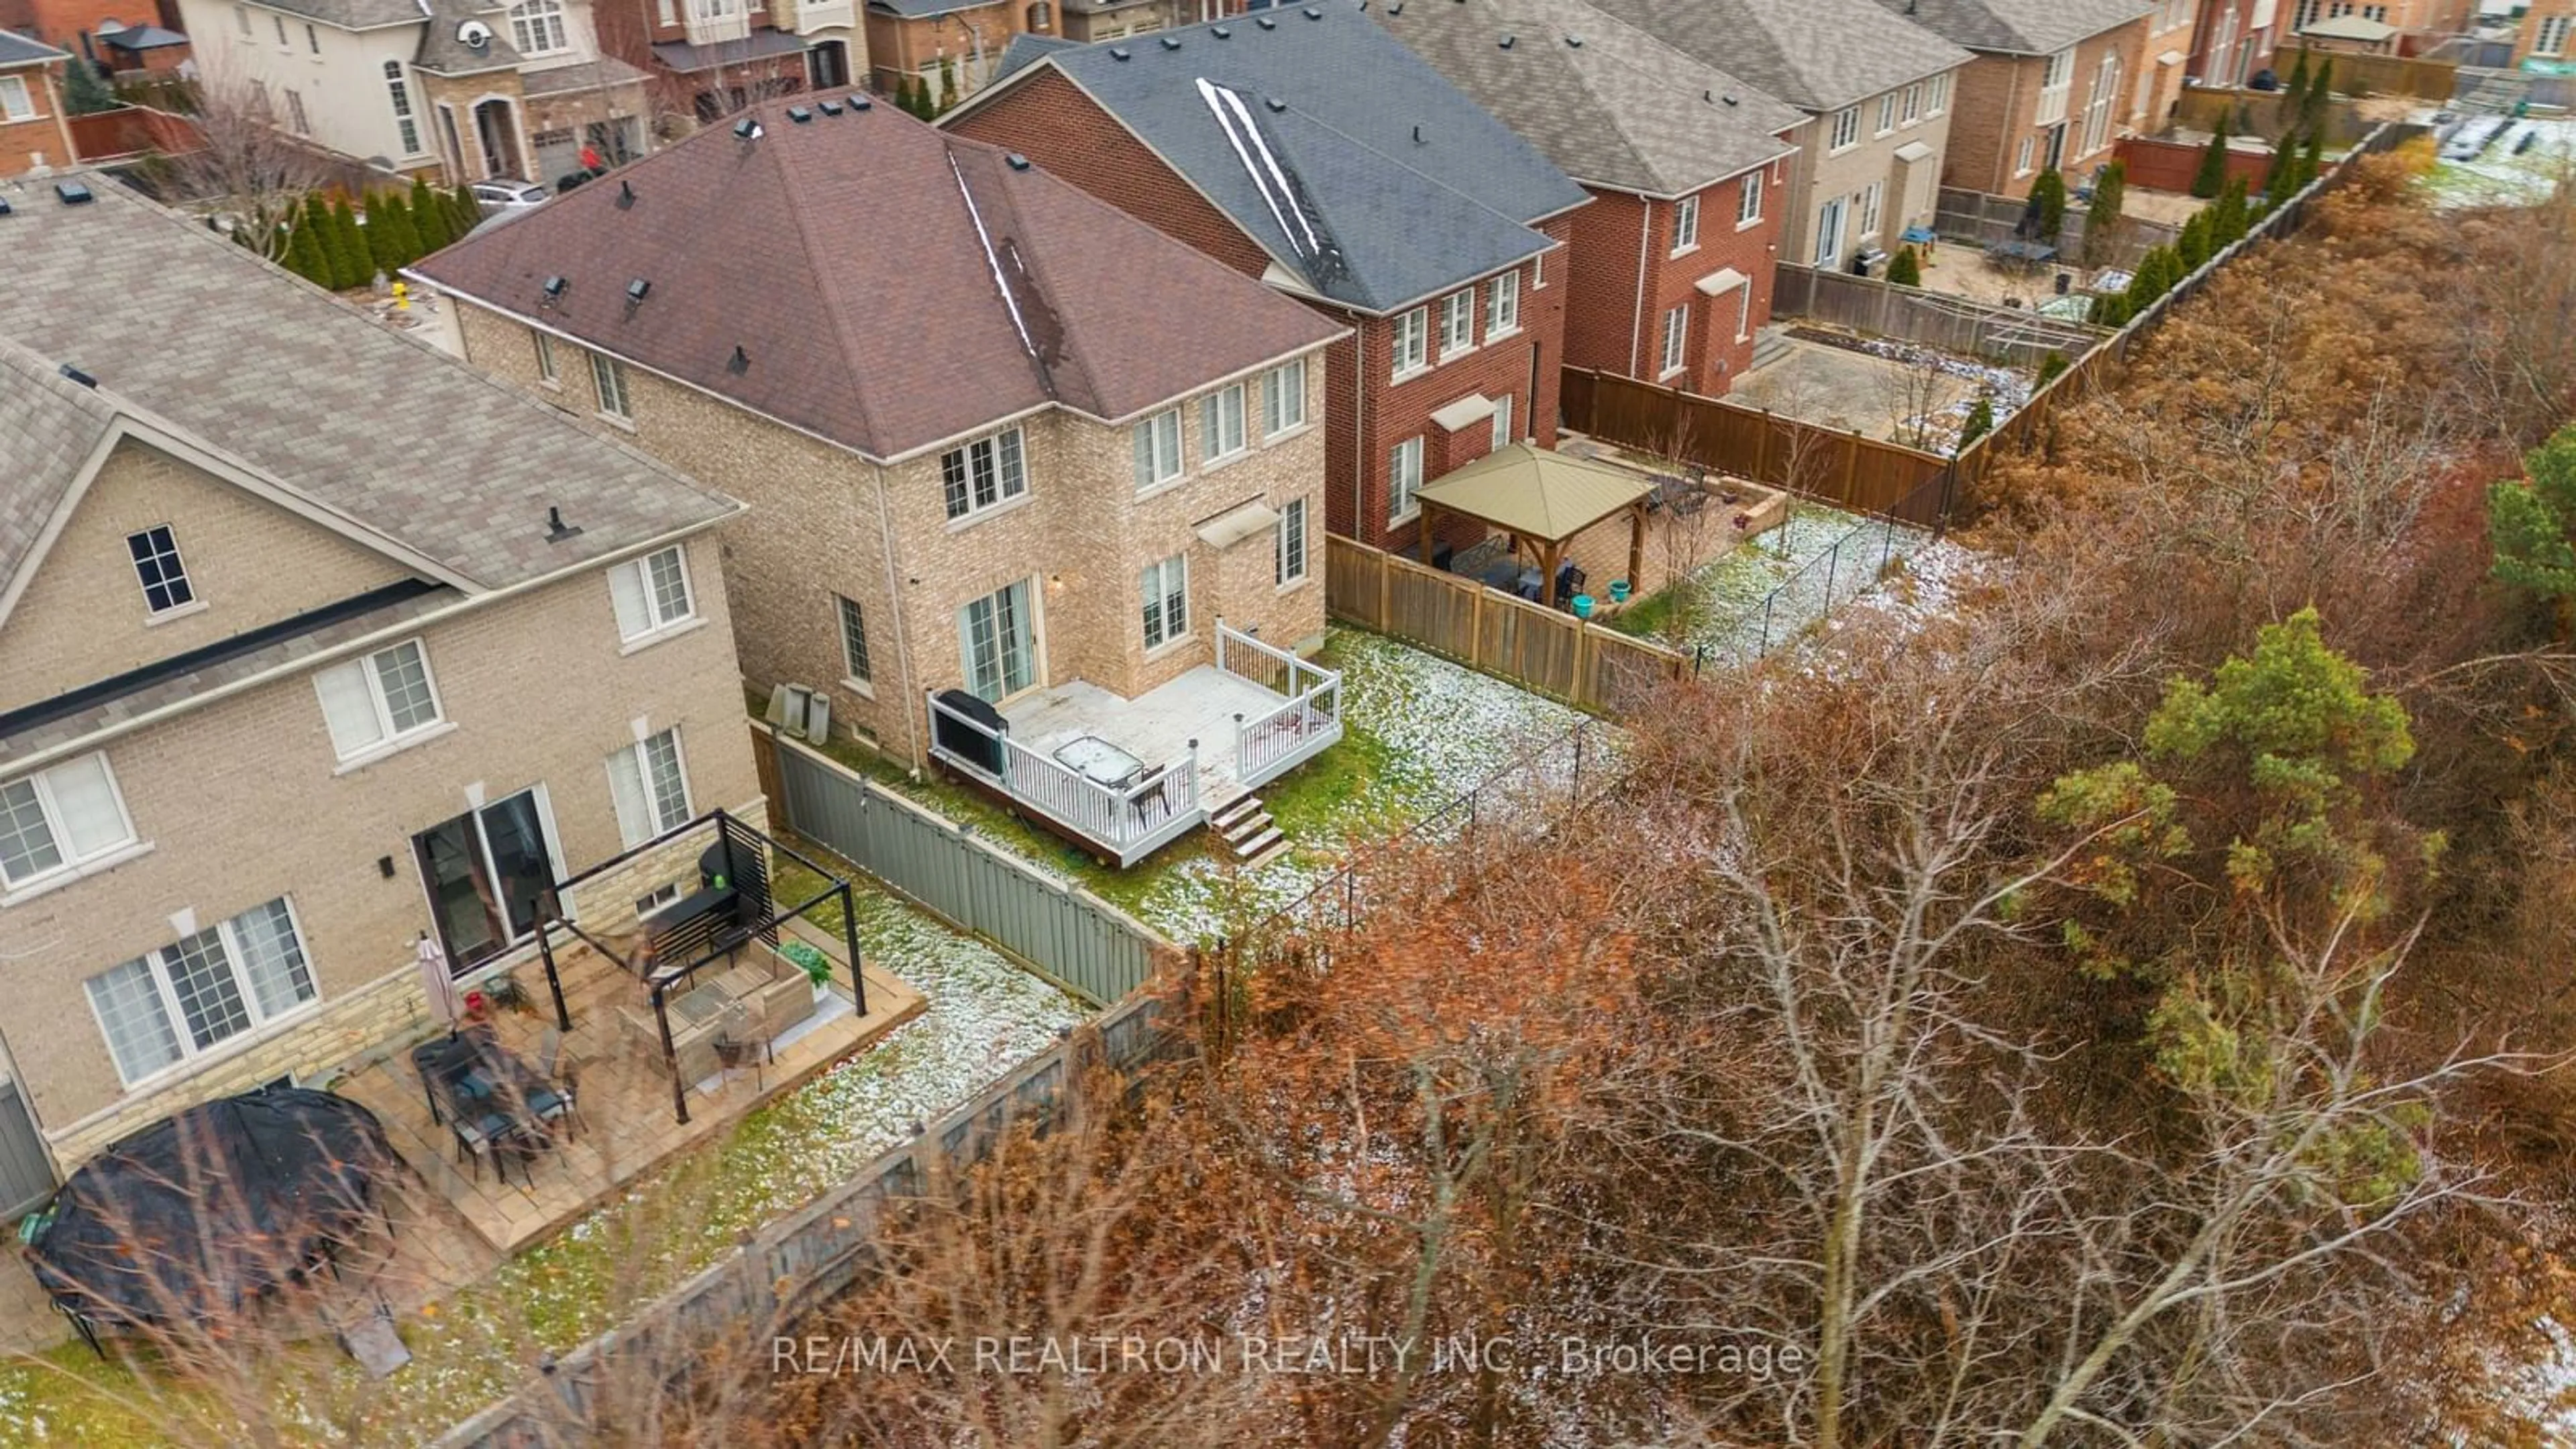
{"points": [[48, 426], [1819, 55], [258, 366], [1370, 176], [351, 14], [17, 50], [442, 53], [2019, 27], [586, 75], [1025, 49], [1608, 103]]}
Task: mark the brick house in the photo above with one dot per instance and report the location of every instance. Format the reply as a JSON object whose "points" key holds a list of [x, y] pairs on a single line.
{"points": [[460, 88], [1668, 272], [2414, 25], [2546, 35], [93, 30], [1877, 96], [993, 448], [2054, 85], [1311, 149], [709, 59], [930, 41], [2232, 42], [33, 133], [312, 643]]}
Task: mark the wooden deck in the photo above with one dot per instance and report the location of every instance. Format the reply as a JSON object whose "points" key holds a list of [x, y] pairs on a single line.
{"points": [[1155, 726], [624, 1091]]}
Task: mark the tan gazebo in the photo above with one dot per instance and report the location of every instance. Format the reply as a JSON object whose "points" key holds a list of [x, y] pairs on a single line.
{"points": [[1542, 499]]}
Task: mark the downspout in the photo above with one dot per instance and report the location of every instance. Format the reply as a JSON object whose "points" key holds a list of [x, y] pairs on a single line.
{"points": [[2004, 136], [1359, 432], [902, 622], [1645, 238]]}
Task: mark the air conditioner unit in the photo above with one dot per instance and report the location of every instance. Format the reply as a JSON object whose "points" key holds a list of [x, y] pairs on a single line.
{"points": [[797, 710]]}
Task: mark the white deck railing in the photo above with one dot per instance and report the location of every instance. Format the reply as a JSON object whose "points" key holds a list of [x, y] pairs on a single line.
{"points": [[1302, 726], [1129, 822]]}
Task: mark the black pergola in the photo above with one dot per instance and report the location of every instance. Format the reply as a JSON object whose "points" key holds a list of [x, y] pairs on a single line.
{"points": [[733, 907]]}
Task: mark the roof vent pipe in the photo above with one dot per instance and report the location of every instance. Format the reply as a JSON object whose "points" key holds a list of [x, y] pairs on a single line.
{"points": [[625, 195]]}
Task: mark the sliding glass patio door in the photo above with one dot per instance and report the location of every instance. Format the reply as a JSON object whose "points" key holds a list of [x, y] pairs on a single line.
{"points": [[997, 641], [487, 872]]}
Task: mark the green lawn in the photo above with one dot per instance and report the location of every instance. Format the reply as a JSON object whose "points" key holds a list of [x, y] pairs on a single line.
{"points": [[1416, 731]]}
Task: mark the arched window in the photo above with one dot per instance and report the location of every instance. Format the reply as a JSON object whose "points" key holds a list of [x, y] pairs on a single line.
{"points": [[537, 27], [402, 108], [1041, 16]]}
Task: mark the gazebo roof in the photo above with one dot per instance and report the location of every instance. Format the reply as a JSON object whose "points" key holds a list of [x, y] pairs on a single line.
{"points": [[1536, 493]]}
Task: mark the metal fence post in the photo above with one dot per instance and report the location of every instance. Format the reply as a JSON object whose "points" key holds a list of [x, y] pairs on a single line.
{"points": [[1832, 557]]}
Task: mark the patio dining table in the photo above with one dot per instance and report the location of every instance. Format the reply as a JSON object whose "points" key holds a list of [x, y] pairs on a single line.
{"points": [[1099, 761], [1511, 576]]}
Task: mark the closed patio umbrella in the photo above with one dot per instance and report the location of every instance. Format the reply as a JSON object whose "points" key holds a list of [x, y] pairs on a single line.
{"points": [[439, 984]]}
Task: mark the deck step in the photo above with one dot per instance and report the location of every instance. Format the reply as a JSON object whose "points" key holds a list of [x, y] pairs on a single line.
{"points": [[1769, 346], [1277, 847], [1246, 828], [1260, 847], [1241, 808]]}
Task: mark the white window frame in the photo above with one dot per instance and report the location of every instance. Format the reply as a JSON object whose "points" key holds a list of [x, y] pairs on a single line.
{"points": [[399, 91], [1886, 113], [1224, 432], [70, 861], [1846, 130], [156, 964], [17, 103], [2550, 38], [1502, 437], [296, 120], [850, 617], [637, 592], [1831, 218], [548, 372], [1748, 201], [2022, 156], [1292, 544], [1503, 306], [241, 19], [1163, 595], [1869, 204], [1936, 95], [647, 790], [1676, 356], [1911, 113], [371, 669], [1458, 324], [1410, 341], [537, 28], [1403, 481], [2056, 85], [1283, 399], [1024, 599], [608, 378], [1686, 225], [982, 475], [1158, 450], [2097, 106]]}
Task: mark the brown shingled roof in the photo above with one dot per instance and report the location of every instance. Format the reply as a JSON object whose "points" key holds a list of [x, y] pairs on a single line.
{"points": [[843, 255]]}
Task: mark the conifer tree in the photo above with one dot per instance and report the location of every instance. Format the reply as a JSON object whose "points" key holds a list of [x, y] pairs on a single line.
{"points": [[305, 255], [359, 262], [2212, 175], [1907, 269], [429, 217]]}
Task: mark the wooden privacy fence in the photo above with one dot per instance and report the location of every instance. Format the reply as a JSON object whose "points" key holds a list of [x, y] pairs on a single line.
{"points": [[730, 1313], [2012, 335], [1068, 935], [1555, 653], [1833, 465], [2358, 75], [1974, 216]]}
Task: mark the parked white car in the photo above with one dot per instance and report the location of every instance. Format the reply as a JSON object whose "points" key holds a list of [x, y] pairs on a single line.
{"points": [[502, 194]]}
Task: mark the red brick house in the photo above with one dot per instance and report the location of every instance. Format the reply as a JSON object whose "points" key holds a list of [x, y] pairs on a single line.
{"points": [[91, 30], [32, 131], [1309, 148], [1669, 270]]}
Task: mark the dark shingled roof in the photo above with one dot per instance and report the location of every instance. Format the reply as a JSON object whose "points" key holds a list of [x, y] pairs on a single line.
{"points": [[1619, 109], [1345, 155], [443, 51], [1819, 55], [17, 50], [2019, 27], [352, 14], [252, 364], [848, 257]]}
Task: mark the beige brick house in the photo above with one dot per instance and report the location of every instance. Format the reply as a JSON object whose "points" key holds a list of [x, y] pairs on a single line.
{"points": [[999, 439], [1877, 96], [2054, 85], [311, 643]]}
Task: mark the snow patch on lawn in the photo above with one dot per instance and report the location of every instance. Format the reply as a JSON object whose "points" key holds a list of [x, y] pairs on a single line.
{"points": [[1764, 593]]}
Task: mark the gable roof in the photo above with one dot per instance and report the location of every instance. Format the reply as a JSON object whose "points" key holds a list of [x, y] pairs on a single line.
{"points": [[1356, 165], [890, 286], [2351, 27], [350, 14], [2019, 27], [1818, 55], [1608, 103], [50, 426], [442, 48], [382, 434], [17, 50]]}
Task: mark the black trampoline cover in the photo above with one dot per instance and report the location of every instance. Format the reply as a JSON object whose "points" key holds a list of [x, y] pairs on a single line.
{"points": [[208, 1209]]}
